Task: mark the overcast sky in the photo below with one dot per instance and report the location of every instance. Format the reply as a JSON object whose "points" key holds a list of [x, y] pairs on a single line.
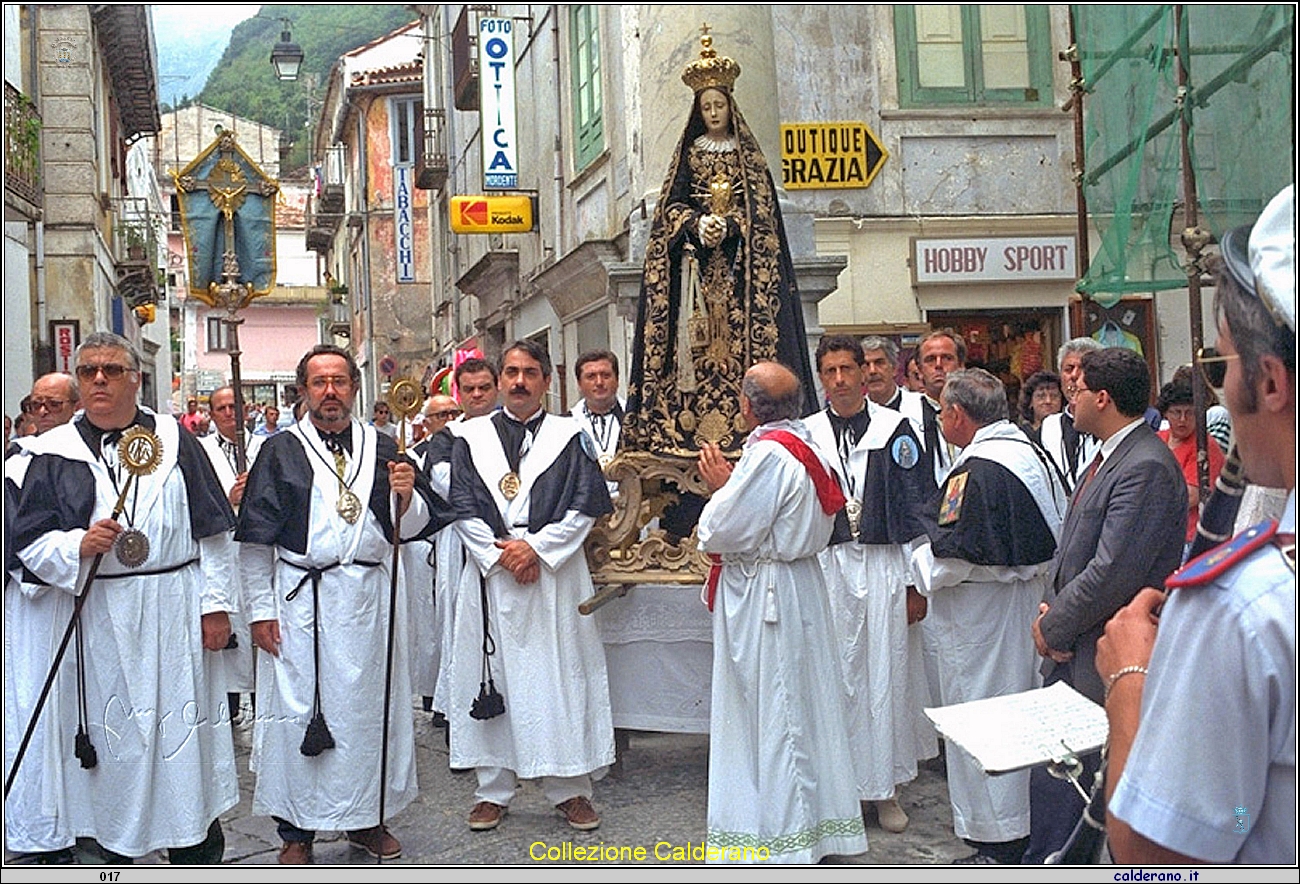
{"points": [[189, 17]]}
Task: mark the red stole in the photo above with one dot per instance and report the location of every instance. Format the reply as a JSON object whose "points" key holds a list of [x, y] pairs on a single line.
{"points": [[829, 495]]}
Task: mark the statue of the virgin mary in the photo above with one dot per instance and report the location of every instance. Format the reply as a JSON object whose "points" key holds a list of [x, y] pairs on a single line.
{"points": [[718, 292]]}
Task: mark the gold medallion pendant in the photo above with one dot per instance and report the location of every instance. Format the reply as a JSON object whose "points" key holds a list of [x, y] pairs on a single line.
{"points": [[349, 506], [509, 485], [131, 547]]}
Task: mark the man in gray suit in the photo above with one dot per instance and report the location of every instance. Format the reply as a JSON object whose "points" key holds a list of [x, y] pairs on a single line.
{"points": [[1123, 531]]}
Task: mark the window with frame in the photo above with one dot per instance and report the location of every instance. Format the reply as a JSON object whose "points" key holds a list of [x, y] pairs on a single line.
{"points": [[584, 52], [407, 126], [950, 54], [218, 336]]}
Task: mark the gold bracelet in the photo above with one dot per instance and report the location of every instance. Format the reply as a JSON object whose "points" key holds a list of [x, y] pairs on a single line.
{"points": [[1117, 675]]}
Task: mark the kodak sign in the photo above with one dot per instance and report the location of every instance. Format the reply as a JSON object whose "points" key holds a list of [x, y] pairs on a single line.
{"points": [[493, 214]]}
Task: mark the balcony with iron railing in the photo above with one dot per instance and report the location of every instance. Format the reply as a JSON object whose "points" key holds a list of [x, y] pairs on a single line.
{"points": [[22, 146], [137, 254], [320, 229], [431, 169], [331, 188]]}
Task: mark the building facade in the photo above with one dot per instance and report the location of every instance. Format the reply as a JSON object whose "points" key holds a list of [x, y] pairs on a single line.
{"points": [[927, 155], [83, 248]]}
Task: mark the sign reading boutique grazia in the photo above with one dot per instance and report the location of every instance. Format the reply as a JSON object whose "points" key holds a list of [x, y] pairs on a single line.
{"points": [[496, 65], [994, 259]]}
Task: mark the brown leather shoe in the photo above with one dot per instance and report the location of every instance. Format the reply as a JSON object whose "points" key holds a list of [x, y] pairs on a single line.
{"points": [[485, 815], [296, 853], [376, 841], [579, 813]]}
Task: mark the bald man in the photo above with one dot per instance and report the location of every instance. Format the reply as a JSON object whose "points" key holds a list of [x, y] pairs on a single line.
{"points": [[774, 642], [439, 411], [53, 401]]}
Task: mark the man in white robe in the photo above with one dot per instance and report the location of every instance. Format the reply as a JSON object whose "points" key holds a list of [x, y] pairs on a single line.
{"points": [[874, 602], [315, 532], [236, 660], [530, 698], [420, 564], [476, 387], [781, 787], [151, 765], [601, 408], [35, 617], [988, 565]]}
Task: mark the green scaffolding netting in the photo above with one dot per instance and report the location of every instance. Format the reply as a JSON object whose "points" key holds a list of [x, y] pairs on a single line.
{"points": [[1240, 107]]}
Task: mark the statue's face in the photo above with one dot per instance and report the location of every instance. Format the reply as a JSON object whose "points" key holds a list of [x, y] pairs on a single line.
{"points": [[715, 109]]}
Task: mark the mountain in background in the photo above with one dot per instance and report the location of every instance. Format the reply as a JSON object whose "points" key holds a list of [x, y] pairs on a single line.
{"points": [[243, 81], [190, 43]]}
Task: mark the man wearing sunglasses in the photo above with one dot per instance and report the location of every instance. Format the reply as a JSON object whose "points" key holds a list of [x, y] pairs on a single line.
{"points": [[143, 747], [1220, 656]]}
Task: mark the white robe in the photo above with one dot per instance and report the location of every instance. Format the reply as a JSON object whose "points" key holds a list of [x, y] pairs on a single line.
{"points": [[981, 618], [35, 619], [236, 663], [339, 788], [155, 700], [422, 627], [606, 444], [1052, 436], [449, 556], [881, 655], [779, 748], [549, 663]]}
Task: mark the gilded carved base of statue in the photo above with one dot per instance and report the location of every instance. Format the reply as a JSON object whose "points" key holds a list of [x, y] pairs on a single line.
{"points": [[623, 549]]}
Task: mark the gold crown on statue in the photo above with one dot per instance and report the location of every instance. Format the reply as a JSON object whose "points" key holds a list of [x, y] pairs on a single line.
{"points": [[711, 71]]}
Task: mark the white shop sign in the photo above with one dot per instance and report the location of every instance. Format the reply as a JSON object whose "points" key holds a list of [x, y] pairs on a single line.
{"points": [[496, 64], [993, 259]]}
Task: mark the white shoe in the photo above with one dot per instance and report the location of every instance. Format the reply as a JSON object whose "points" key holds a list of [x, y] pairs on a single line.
{"points": [[891, 816]]}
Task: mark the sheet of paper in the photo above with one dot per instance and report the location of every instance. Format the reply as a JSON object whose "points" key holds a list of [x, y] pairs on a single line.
{"points": [[1026, 729]]}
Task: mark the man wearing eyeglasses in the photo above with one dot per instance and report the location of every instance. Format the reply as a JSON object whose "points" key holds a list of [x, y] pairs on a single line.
{"points": [[315, 532], [236, 660], [142, 748], [420, 562], [28, 612], [1223, 647], [1123, 531], [54, 400]]}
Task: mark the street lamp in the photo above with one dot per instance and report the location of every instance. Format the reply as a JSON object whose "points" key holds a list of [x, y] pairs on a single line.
{"points": [[287, 56]]}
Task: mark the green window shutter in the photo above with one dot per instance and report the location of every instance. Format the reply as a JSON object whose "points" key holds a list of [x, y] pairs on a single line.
{"points": [[584, 43], [973, 55]]}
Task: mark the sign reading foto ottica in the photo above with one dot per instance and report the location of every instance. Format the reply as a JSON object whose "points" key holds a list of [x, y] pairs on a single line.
{"points": [[829, 155], [492, 214], [496, 65]]}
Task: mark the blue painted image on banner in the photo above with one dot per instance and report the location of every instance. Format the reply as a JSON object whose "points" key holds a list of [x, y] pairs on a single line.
{"points": [[225, 196]]}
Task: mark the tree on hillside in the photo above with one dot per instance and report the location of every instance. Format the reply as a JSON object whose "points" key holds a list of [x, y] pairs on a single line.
{"points": [[244, 82]]}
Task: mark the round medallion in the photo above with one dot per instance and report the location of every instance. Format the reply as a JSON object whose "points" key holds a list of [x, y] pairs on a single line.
{"points": [[404, 398], [131, 547], [509, 485], [349, 506], [139, 450]]}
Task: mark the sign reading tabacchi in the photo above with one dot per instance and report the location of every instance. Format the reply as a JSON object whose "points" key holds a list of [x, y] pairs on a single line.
{"points": [[829, 155], [993, 259]]}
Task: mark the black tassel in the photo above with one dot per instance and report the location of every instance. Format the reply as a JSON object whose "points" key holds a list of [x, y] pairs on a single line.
{"points": [[488, 704], [318, 737], [85, 750]]}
